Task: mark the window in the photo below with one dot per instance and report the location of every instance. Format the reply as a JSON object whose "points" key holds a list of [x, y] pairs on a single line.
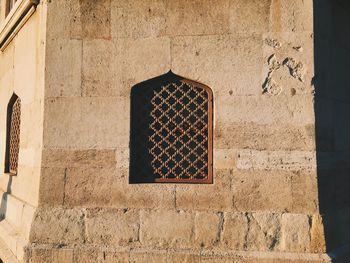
{"points": [[171, 131], [13, 134]]}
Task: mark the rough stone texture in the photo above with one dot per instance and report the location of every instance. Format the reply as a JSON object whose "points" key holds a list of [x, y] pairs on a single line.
{"points": [[72, 200]]}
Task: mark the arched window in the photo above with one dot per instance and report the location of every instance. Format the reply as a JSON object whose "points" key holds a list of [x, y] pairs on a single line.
{"points": [[171, 131], [13, 134]]}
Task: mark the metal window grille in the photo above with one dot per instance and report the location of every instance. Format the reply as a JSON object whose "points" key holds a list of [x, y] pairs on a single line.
{"points": [[172, 137], [14, 136]]}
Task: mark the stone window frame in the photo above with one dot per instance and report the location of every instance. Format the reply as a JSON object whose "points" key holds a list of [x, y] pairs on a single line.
{"points": [[140, 152], [9, 169], [13, 18]]}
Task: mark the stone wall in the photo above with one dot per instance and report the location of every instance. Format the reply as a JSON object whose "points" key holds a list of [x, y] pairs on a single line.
{"points": [[22, 73], [257, 56]]}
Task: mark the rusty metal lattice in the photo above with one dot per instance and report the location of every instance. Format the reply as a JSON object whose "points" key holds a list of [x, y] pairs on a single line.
{"points": [[15, 136], [177, 146]]}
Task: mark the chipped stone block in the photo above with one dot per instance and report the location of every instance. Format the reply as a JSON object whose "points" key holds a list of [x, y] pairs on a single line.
{"points": [[262, 191], [276, 160], [167, 229], [51, 192], [112, 227], [295, 233]]}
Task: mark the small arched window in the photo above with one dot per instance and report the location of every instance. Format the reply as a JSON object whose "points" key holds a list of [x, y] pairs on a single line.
{"points": [[171, 131], [13, 134]]}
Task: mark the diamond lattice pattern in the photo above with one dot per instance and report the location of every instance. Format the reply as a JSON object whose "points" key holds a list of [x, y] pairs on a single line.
{"points": [[14, 136], [178, 141]]}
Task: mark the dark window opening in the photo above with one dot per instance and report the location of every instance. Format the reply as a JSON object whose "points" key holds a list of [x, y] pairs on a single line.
{"points": [[171, 131], [13, 135]]}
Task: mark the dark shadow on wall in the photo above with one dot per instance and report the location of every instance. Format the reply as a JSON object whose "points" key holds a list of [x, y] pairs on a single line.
{"points": [[332, 113], [3, 204]]}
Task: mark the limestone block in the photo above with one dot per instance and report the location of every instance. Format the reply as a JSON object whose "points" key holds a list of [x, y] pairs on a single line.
{"points": [[295, 233], [14, 211], [122, 156], [6, 62], [98, 68], [276, 160], [217, 259], [305, 192], [230, 64], [183, 258], [235, 231], [207, 228], [196, 18], [58, 226], [25, 63], [26, 220], [40, 255], [98, 254], [262, 191], [138, 19], [167, 229], [91, 20], [216, 197], [112, 227], [318, 242], [295, 16], [140, 257], [296, 110], [264, 137], [92, 158], [63, 68], [94, 123], [52, 181], [249, 16], [224, 159], [58, 23], [133, 56], [264, 232]]}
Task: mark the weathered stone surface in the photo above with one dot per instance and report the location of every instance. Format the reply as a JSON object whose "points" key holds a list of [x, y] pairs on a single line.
{"points": [[52, 189], [304, 192], [148, 257], [64, 79], [295, 233], [91, 19], [166, 228], [134, 55], [264, 137], [58, 226], [98, 68], [223, 74], [235, 231], [112, 227], [194, 18], [224, 159], [95, 122], [318, 242], [137, 19], [262, 191], [183, 258], [249, 16], [276, 160], [217, 197], [39, 255], [207, 228], [78, 158]]}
